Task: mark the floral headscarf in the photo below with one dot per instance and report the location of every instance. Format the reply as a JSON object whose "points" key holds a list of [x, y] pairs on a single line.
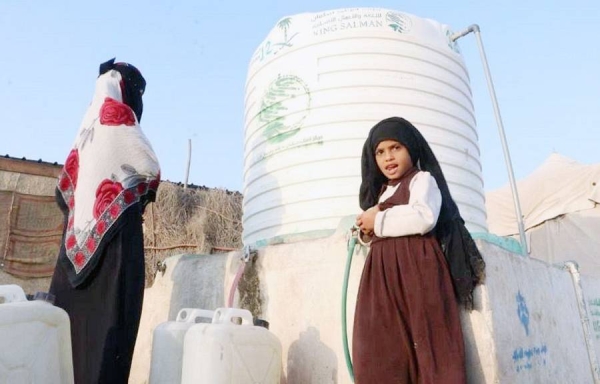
{"points": [[110, 168]]}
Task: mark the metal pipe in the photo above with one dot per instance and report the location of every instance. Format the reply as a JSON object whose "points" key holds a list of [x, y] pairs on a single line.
{"points": [[511, 177], [236, 282], [464, 32], [247, 256], [573, 268]]}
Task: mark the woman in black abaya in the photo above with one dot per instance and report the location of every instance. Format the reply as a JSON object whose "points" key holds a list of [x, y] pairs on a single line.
{"points": [[111, 173]]}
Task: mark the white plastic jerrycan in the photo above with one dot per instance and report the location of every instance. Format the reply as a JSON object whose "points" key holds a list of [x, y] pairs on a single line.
{"points": [[167, 345], [36, 340], [223, 352]]}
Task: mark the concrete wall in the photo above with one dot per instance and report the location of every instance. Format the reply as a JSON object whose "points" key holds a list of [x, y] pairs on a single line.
{"points": [[525, 328], [301, 285], [534, 320], [591, 290]]}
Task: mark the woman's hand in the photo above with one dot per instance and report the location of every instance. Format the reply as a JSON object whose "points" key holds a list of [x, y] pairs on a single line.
{"points": [[366, 220]]}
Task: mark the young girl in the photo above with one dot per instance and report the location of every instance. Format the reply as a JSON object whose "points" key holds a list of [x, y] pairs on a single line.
{"points": [[406, 326]]}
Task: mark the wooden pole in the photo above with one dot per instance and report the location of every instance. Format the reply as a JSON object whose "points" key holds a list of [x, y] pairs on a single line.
{"points": [[189, 160]]}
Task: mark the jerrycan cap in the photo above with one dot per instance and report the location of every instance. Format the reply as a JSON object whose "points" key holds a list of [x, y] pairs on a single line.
{"points": [[261, 323], [44, 296]]}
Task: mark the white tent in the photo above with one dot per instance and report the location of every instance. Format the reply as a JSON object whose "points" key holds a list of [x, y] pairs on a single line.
{"points": [[560, 202]]}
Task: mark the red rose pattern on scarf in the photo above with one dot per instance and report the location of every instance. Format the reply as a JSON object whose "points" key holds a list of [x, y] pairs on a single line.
{"points": [[72, 166], [111, 200], [153, 185], [101, 227], [79, 259], [106, 193], [113, 113], [71, 242], [70, 171]]}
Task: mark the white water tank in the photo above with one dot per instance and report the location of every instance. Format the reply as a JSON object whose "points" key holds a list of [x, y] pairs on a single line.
{"points": [[316, 86]]}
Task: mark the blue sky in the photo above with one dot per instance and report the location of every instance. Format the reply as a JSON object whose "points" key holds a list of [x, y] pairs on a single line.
{"points": [[544, 57]]}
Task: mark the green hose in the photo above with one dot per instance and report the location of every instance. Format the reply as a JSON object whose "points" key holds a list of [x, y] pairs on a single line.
{"points": [[351, 246]]}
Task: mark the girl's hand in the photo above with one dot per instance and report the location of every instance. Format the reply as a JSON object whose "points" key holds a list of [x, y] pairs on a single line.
{"points": [[366, 220]]}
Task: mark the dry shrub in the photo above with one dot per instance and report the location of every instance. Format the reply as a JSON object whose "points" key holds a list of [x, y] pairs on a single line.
{"points": [[191, 220]]}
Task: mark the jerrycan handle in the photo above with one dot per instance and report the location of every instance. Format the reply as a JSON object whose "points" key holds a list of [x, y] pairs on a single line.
{"points": [[191, 315], [11, 293], [224, 316]]}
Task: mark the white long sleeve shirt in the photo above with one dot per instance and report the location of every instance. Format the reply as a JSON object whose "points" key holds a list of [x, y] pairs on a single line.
{"points": [[419, 216]]}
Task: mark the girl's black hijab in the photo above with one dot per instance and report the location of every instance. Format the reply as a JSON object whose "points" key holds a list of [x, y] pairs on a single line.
{"points": [[464, 260], [132, 87]]}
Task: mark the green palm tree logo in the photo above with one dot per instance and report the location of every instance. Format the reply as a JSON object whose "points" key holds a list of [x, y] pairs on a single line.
{"points": [[398, 22], [284, 106], [270, 47], [284, 24]]}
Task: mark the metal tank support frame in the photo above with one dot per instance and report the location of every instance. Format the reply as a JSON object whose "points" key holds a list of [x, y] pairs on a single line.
{"points": [[511, 177]]}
